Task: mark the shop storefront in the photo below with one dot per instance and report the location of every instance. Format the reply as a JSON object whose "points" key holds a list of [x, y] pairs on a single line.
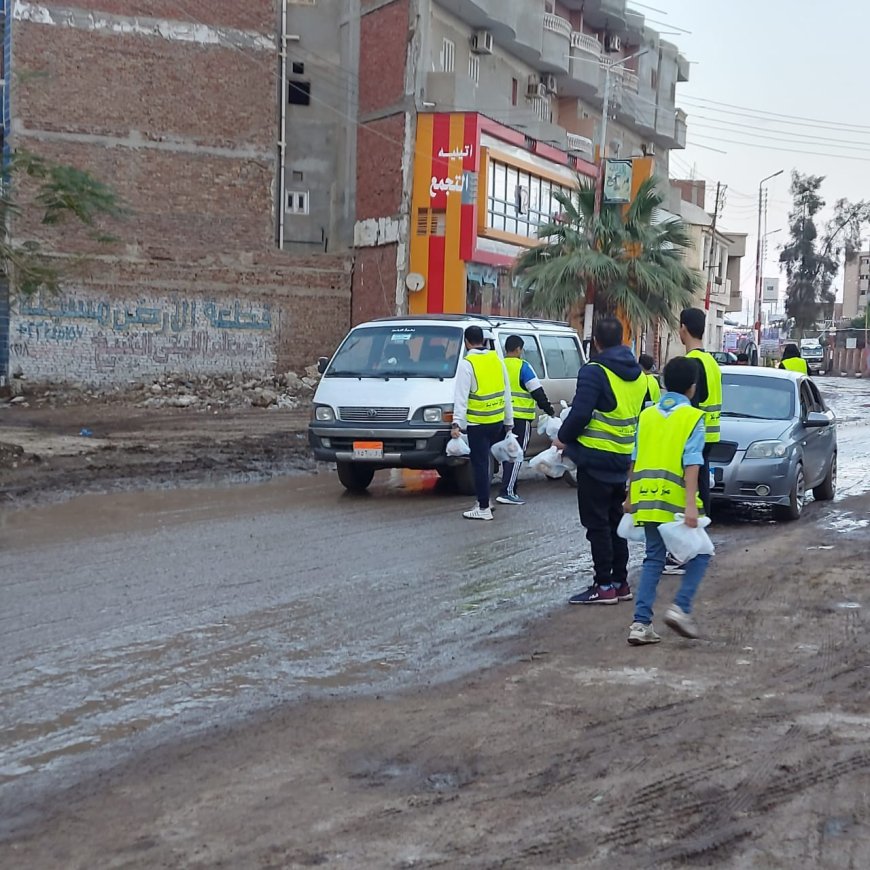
{"points": [[481, 191]]}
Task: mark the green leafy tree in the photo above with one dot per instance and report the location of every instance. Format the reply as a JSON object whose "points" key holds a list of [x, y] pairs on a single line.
{"points": [[634, 267], [812, 259], [41, 198]]}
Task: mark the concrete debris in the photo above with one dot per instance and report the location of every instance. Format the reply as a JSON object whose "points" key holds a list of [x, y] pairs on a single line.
{"points": [[288, 391]]}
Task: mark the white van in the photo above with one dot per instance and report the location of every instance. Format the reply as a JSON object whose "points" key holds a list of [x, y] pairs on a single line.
{"points": [[386, 397]]}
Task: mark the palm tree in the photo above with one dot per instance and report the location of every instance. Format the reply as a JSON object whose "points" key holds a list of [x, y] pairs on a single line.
{"points": [[632, 266]]}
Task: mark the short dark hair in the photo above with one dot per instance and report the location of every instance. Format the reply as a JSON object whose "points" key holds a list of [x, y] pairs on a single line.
{"points": [[790, 351], [743, 357], [694, 320], [680, 375], [474, 336], [513, 342], [607, 332], [646, 362]]}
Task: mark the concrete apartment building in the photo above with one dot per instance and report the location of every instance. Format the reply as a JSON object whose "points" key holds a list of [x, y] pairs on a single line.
{"points": [[471, 114], [856, 286], [176, 106]]}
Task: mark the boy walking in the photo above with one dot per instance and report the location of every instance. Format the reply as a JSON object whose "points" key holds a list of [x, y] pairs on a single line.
{"points": [[663, 481]]}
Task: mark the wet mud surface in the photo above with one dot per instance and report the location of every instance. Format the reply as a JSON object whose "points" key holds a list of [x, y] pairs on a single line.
{"points": [[283, 675]]}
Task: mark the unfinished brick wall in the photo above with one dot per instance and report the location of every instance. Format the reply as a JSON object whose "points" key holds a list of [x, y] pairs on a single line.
{"points": [[127, 322], [178, 112], [382, 136]]}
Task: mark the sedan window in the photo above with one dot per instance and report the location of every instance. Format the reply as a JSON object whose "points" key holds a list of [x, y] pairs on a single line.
{"points": [[757, 397]]}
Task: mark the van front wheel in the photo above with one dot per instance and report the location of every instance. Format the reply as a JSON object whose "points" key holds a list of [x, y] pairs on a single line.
{"points": [[355, 476]]}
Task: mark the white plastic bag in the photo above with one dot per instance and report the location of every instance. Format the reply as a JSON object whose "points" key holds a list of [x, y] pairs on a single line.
{"points": [[629, 531], [684, 543], [554, 424], [566, 410], [508, 450], [549, 462], [458, 446], [543, 420]]}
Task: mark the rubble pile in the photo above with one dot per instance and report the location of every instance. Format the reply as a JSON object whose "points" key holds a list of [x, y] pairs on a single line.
{"points": [[199, 392]]}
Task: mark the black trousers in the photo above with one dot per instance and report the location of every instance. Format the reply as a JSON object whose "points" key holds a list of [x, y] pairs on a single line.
{"points": [[600, 513], [511, 470], [481, 437]]}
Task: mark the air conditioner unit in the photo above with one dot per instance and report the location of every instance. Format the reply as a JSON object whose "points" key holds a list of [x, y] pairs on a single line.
{"points": [[550, 84], [612, 43], [481, 42], [536, 88], [579, 144]]}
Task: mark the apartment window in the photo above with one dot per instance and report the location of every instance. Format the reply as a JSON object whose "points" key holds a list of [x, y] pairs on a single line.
{"points": [[297, 175], [474, 68], [299, 93], [298, 68], [519, 202], [298, 202], [515, 92], [448, 55], [654, 79]]}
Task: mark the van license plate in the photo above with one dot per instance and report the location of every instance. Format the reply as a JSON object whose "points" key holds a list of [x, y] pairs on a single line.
{"points": [[368, 449]]}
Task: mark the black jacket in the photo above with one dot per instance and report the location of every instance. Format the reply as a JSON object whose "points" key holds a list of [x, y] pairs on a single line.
{"points": [[594, 394]]}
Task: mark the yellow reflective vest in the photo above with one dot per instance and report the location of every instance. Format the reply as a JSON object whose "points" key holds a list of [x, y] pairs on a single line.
{"points": [[614, 431], [658, 485], [655, 391], [712, 406], [796, 364], [487, 403], [523, 403]]}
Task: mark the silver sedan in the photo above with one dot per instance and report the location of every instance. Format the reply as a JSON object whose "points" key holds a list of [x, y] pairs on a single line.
{"points": [[779, 440]]}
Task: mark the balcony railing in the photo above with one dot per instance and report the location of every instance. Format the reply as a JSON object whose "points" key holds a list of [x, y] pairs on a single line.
{"points": [[630, 81], [557, 24], [585, 42]]}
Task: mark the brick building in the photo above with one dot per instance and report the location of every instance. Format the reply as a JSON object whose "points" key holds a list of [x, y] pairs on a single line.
{"points": [[512, 91], [174, 105]]}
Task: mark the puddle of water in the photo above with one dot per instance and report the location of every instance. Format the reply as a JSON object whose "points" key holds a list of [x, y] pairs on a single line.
{"points": [[846, 521]]}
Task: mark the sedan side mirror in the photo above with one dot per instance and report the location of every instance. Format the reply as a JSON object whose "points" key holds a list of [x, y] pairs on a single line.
{"points": [[818, 419], [322, 363]]}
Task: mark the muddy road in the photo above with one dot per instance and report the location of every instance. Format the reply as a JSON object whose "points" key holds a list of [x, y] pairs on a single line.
{"points": [[283, 675]]}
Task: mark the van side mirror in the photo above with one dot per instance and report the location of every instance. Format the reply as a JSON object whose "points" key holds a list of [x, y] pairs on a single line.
{"points": [[322, 363]]}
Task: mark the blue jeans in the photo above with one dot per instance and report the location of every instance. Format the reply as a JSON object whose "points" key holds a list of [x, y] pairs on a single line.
{"points": [[653, 565]]}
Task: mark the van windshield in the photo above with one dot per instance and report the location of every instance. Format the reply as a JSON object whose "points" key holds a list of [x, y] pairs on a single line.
{"points": [[398, 351]]}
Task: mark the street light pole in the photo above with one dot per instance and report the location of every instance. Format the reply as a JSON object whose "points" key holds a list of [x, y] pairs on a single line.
{"points": [[599, 183], [759, 264]]}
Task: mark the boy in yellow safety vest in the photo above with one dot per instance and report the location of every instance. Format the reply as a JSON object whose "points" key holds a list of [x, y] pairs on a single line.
{"points": [[648, 364], [663, 481]]}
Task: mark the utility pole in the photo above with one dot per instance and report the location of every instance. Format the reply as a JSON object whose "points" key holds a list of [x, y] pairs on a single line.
{"points": [[759, 264], [711, 263]]}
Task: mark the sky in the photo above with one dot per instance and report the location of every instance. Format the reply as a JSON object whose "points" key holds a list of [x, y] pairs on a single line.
{"points": [[801, 70]]}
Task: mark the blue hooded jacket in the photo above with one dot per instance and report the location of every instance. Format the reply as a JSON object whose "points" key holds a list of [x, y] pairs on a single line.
{"points": [[594, 394]]}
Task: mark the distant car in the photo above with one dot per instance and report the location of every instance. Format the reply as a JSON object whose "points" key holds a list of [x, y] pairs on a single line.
{"points": [[779, 440], [724, 357]]}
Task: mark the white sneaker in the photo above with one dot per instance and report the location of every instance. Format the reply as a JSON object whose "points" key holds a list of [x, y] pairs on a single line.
{"points": [[640, 634], [478, 513], [679, 621]]}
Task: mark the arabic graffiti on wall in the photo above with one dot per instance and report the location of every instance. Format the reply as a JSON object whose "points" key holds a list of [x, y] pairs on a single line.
{"points": [[86, 337]]}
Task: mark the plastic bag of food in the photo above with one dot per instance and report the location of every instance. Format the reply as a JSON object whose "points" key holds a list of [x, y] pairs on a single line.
{"points": [[554, 424], [684, 543], [629, 531], [549, 462], [508, 450], [458, 446], [543, 420]]}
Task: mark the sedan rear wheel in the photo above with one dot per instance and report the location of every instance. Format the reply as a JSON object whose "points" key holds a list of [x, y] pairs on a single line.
{"points": [[827, 489], [795, 507]]}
